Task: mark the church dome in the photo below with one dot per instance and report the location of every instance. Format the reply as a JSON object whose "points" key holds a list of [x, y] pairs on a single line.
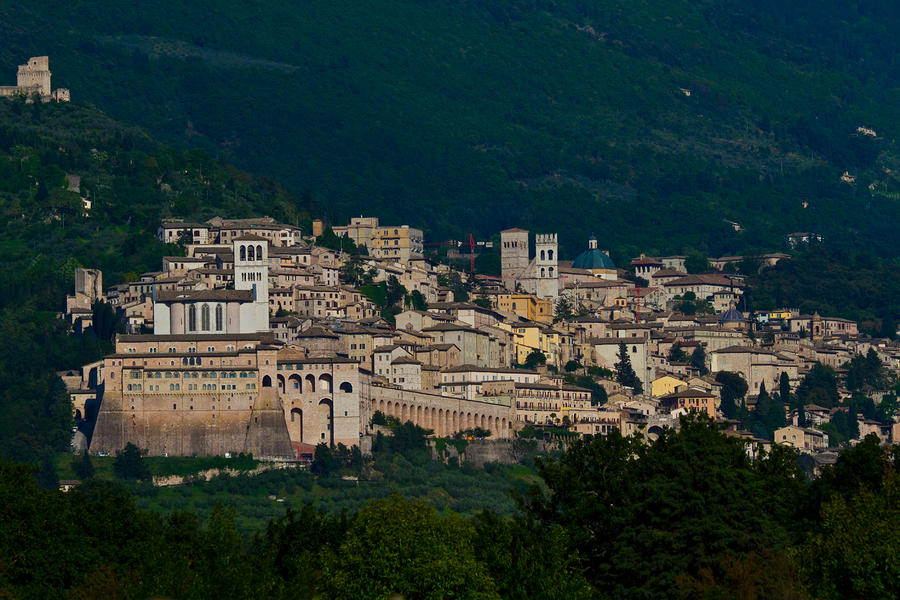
{"points": [[732, 315], [593, 259]]}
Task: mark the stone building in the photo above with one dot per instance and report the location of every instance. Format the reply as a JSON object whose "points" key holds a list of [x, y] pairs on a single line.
{"points": [[190, 395], [34, 78], [538, 276], [244, 309]]}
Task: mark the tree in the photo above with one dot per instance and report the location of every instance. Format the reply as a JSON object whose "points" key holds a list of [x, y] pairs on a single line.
{"points": [[563, 310], [733, 389], [416, 301], [784, 388], [698, 360], [696, 263], [848, 555], [394, 546], [618, 498], [104, 321], [324, 462], [129, 464], [454, 281], [676, 354], [768, 415], [535, 358], [819, 386], [528, 560], [760, 415], [47, 477], [83, 466], [625, 374], [352, 272], [394, 292], [572, 365]]}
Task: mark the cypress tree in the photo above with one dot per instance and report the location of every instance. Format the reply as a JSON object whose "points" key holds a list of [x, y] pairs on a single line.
{"points": [[625, 374]]}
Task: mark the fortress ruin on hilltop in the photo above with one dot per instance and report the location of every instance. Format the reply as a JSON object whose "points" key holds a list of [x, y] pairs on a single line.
{"points": [[34, 78]]}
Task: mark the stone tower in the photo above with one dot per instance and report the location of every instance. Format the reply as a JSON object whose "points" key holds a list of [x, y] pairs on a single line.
{"points": [[513, 255], [546, 258], [251, 272], [34, 76]]}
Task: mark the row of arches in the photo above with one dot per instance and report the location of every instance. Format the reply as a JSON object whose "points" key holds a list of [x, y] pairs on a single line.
{"points": [[443, 422], [298, 384], [248, 253]]}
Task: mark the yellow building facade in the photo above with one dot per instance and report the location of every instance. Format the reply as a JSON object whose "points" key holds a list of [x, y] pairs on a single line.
{"points": [[397, 243], [526, 306], [666, 385]]}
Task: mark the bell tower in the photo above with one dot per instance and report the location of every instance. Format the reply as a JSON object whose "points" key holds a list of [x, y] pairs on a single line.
{"points": [[251, 272], [513, 255], [546, 263]]}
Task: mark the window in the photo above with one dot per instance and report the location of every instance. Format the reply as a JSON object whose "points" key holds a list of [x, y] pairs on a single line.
{"points": [[204, 317], [243, 253], [259, 253], [192, 318], [219, 318], [250, 253]]}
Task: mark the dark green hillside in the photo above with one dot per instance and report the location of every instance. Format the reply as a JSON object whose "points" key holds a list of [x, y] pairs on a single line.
{"points": [[568, 115], [132, 182]]}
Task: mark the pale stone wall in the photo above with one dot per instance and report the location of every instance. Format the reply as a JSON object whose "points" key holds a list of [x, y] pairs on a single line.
{"points": [[174, 396]]}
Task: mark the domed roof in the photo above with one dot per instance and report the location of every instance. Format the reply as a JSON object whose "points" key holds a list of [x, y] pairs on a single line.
{"points": [[732, 315], [593, 259]]}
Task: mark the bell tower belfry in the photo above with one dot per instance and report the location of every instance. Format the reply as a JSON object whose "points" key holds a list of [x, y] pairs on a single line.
{"points": [[251, 272], [546, 262]]}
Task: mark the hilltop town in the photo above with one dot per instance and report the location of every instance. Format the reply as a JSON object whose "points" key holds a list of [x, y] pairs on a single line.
{"points": [[259, 338], [660, 392]]}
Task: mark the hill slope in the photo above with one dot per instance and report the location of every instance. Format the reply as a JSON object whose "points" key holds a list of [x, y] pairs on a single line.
{"points": [[553, 114], [132, 181]]}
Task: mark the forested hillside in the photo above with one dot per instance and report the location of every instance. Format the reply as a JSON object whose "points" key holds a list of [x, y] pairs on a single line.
{"points": [[651, 121], [688, 516], [132, 182]]}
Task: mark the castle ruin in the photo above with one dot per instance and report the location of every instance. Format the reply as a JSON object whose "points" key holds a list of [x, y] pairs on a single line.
{"points": [[33, 78]]}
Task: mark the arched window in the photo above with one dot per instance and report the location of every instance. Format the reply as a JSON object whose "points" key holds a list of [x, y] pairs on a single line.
{"points": [[243, 253], [543, 272], [204, 317], [551, 271], [346, 387], [259, 254], [192, 318], [250, 253], [549, 254], [267, 381], [543, 256], [219, 318]]}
